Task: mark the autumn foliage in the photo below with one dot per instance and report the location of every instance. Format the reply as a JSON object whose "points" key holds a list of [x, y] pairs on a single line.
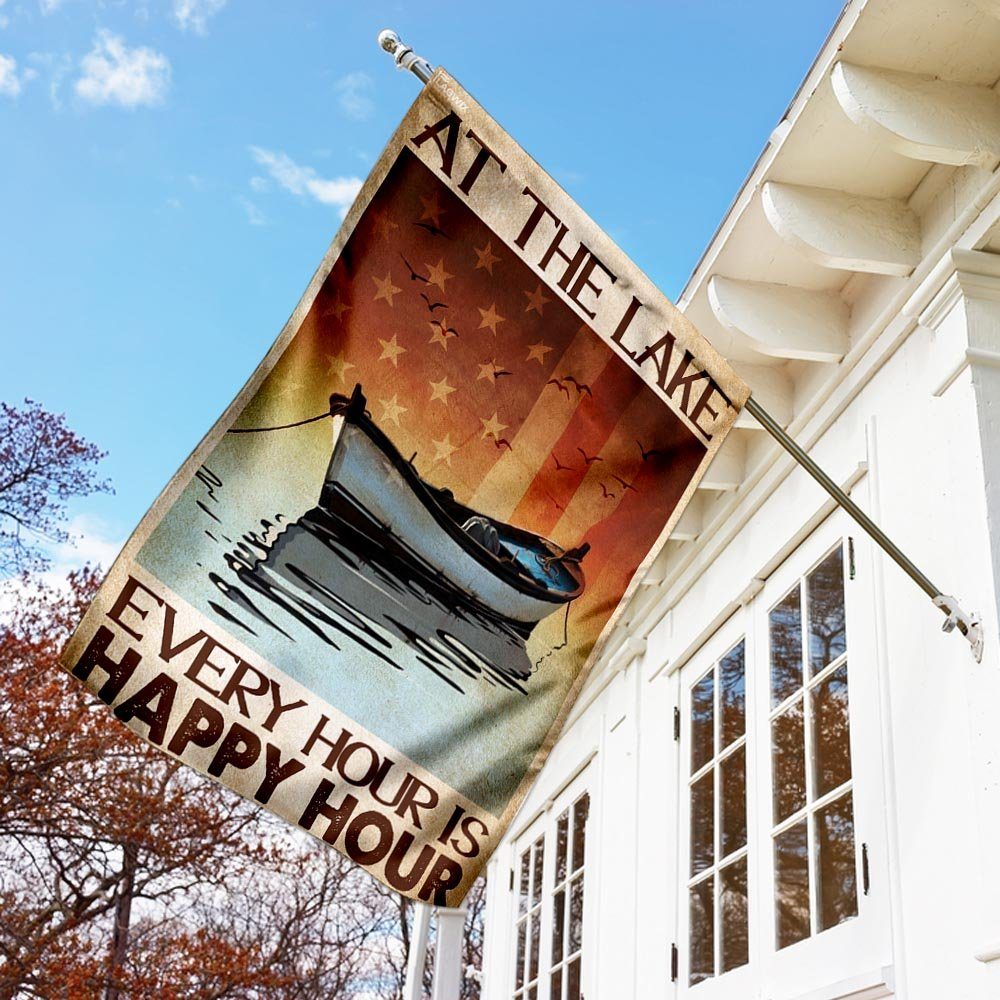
{"points": [[123, 873]]}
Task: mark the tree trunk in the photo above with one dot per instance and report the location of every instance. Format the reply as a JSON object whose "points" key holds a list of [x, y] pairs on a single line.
{"points": [[123, 914]]}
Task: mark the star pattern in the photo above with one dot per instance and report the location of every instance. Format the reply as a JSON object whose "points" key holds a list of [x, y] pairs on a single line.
{"points": [[441, 390], [488, 370], [492, 427], [432, 208], [391, 350], [537, 301], [391, 410], [339, 366], [386, 289], [385, 224], [437, 275], [490, 318], [485, 258], [441, 335], [338, 308], [537, 352], [443, 450]]}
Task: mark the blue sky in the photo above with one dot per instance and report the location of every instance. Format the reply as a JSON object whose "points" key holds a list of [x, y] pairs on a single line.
{"points": [[171, 172]]}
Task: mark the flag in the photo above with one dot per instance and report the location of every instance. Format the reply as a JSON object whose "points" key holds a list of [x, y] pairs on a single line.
{"points": [[371, 595]]}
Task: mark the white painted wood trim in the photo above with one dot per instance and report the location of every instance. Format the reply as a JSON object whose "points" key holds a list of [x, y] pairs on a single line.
{"points": [[867, 986], [726, 471], [413, 989], [970, 356], [781, 321], [921, 117], [844, 231]]}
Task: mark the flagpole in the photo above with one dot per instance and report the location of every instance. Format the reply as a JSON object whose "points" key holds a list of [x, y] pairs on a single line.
{"points": [[968, 624]]}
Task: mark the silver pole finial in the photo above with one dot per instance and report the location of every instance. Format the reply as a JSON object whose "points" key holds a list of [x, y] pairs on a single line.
{"points": [[404, 56]]}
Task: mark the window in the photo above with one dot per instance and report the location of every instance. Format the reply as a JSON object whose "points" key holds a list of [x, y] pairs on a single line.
{"points": [[567, 901], [717, 889], [549, 888], [780, 830], [529, 921], [812, 804]]}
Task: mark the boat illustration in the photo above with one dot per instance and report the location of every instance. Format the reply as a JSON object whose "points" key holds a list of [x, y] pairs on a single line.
{"points": [[516, 574]]}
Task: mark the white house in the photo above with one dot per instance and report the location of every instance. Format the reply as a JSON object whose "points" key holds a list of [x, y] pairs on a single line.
{"points": [[783, 780]]}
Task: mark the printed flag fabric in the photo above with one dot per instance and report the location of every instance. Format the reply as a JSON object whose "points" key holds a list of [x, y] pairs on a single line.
{"points": [[371, 595]]}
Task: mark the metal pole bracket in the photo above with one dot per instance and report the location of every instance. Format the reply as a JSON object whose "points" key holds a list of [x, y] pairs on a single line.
{"points": [[968, 624]]}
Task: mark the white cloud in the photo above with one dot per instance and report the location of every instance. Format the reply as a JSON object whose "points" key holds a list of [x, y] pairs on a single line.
{"points": [[254, 215], [354, 95], [10, 82], [49, 6], [260, 184], [116, 74], [91, 541], [336, 191], [194, 15]]}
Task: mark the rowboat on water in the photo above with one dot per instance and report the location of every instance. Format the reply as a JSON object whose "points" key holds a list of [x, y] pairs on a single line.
{"points": [[517, 574]]}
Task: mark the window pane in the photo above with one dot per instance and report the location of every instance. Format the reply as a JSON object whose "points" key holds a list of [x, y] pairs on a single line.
{"points": [[536, 879], [788, 756], [535, 919], [522, 900], [521, 932], [576, 916], [733, 922], [558, 922], [825, 593], [786, 647], [702, 823], [702, 722], [733, 695], [573, 981], [581, 809], [562, 837], [831, 733], [733, 804], [555, 992], [702, 945], [835, 864], [791, 885]]}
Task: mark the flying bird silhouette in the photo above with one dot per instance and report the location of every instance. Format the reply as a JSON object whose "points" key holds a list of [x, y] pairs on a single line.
{"points": [[413, 274], [433, 230], [433, 305], [558, 384], [560, 467], [607, 494], [589, 459], [500, 372], [627, 486], [581, 387], [503, 443], [647, 454], [444, 328]]}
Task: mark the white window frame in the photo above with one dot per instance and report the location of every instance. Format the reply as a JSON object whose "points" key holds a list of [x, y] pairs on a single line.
{"points": [[737, 983], [546, 825], [858, 945]]}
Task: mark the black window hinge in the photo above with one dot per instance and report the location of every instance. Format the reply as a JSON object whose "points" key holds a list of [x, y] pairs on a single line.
{"points": [[512, 880], [677, 723], [674, 962], [866, 881], [851, 568]]}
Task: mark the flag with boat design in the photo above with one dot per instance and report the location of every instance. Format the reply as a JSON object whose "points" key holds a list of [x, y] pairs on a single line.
{"points": [[371, 595]]}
